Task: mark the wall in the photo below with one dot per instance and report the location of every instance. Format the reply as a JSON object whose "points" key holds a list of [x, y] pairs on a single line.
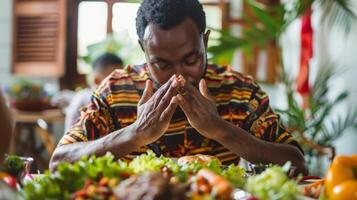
{"points": [[343, 50], [5, 39]]}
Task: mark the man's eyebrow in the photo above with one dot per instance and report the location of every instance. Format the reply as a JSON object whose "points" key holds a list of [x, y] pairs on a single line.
{"points": [[191, 53]]}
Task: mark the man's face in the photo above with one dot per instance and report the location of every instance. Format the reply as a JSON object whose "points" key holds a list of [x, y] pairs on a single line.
{"points": [[179, 50]]}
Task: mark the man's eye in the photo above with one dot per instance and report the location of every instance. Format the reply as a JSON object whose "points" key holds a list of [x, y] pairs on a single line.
{"points": [[192, 60], [160, 65]]}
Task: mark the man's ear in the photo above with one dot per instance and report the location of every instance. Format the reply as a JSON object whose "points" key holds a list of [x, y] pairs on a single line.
{"points": [[206, 37], [141, 42]]}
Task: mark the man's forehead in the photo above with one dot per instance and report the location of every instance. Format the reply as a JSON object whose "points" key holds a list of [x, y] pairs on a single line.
{"points": [[175, 37]]}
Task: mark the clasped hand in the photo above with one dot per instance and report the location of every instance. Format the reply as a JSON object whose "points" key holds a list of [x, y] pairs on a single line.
{"points": [[155, 110]]}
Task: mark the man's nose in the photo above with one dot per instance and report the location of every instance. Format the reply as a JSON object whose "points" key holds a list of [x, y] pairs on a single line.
{"points": [[178, 69]]}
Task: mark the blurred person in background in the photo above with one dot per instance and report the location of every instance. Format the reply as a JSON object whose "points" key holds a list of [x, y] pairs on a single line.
{"points": [[102, 67], [5, 127]]}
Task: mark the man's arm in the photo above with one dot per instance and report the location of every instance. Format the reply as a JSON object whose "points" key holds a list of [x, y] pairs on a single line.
{"points": [[200, 109], [5, 127], [154, 114], [119, 143], [256, 150]]}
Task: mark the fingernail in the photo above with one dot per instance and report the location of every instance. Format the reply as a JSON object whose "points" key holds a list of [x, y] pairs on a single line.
{"points": [[174, 100], [174, 83]]}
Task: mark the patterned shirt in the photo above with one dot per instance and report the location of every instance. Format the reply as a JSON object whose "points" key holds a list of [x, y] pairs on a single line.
{"points": [[239, 100]]}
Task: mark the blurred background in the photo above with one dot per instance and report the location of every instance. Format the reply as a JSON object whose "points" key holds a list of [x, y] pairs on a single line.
{"points": [[303, 53]]}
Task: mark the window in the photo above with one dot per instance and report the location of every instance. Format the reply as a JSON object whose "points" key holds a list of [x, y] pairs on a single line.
{"points": [[92, 28], [124, 15], [124, 31]]}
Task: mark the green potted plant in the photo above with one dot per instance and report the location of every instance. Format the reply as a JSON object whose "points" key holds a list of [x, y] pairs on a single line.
{"points": [[316, 126]]}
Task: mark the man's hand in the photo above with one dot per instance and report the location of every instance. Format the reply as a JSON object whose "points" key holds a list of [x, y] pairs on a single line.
{"points": [[199, 107], [155, 110]]}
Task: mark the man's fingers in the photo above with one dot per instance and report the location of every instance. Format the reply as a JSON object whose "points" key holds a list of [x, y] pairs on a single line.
{"points": [[204, 90], [169, 111], [147, 92], [188, 91], [178, 99], [169, 94], [162, 91]]}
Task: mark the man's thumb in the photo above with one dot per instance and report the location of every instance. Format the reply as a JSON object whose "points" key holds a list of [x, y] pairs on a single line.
{"points": [[147, 92]]}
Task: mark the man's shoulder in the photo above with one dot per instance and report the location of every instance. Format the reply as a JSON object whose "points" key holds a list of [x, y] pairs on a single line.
{"points": [[226, 75], [129, 73]]}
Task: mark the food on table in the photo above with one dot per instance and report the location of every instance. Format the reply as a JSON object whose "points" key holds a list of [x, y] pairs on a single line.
{"points": [[96, 190], [207, 182], [14, 166], [10, 181], [14, 169], [72, 178], [150, 177], [197, 158], [105, 178], [151, 185], [313, 189], [341, 178], [273, 183]]}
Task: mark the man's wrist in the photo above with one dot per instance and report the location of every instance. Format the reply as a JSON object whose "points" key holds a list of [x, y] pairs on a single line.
{"points": [[136, 135], [217, 130]]}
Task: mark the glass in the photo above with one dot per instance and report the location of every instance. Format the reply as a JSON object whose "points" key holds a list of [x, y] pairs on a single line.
{"points": [[27, 165], [21, 171]]}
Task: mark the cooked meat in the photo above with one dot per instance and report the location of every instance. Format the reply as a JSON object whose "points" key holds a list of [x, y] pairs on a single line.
{"points": [[149, 186]]}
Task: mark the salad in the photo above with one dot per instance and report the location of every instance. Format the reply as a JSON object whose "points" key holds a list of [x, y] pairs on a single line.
{"points": [[273, 184], [151, 177]]}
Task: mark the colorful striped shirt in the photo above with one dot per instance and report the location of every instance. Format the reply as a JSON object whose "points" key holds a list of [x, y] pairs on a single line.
{"points": [[239, 100]]}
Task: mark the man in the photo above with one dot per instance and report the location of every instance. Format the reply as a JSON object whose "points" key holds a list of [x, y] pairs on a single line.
{"points": [[176, 104], [5, 128], [102, 67]]}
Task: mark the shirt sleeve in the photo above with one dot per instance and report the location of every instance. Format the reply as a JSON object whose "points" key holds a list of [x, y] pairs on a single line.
{"points": [[96, 119], [264, 123]]}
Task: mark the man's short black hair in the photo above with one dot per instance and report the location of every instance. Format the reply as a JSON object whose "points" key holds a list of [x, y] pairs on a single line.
{"points": [[107, 60], [168, 13]]}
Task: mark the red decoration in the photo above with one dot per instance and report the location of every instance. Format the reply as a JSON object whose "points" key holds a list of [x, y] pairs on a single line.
{"points": [[306, 54]]}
